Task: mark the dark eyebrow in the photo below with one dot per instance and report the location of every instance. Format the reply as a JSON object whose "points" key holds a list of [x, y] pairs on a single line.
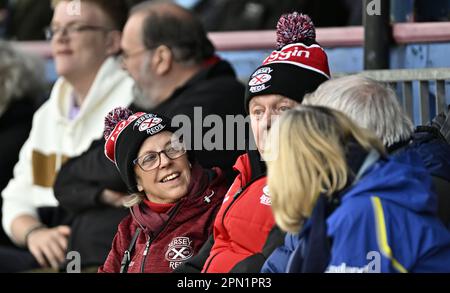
{"points": [[73, 22]]}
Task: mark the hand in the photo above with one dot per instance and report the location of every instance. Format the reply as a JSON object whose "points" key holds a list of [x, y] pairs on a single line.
{"points": [[113, 198], [49, 245]]}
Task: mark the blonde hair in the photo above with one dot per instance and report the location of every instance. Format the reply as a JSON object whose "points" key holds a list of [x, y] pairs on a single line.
{"points": [[311, 160], [134, 199]]}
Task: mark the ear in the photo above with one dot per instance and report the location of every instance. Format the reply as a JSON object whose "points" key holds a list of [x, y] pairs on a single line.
{"points": [[113, 42], [139, 184], [162, 60]]}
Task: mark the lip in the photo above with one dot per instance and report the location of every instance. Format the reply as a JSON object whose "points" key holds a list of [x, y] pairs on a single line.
{"points": [[64, 52], [168, 174], [172, 183]]}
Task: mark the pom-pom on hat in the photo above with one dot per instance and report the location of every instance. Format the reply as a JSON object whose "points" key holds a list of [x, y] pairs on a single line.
{"points": [[298, 66], [124, 133]]}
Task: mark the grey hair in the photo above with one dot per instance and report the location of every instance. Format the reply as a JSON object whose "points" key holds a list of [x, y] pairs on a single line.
{"points": [[369, 103], [21, 75]]}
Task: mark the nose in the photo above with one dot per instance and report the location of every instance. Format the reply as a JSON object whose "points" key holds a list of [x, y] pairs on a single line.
{"points": [[267, 120], [164, 160]]}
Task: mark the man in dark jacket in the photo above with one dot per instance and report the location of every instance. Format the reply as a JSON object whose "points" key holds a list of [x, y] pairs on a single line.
{"points": [[166, 51]]}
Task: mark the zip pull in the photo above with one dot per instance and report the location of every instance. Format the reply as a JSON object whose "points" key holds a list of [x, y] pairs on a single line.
{"points": [[207, 198], [238, 193], [144, 258], [125, 261], [147, 246]]}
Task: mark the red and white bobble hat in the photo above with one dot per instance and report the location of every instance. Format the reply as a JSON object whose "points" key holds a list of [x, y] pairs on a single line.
{"points": [[125, 132], [296, 68]]}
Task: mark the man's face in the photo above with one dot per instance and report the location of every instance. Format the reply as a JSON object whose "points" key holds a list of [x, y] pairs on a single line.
{"points": [[136, 59], [264, 111], [81, 42]]}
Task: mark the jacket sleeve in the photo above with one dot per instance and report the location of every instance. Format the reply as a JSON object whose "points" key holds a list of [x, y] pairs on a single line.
{"points": [[196, 263], [82, 179], [16, 195], [254, 263], [278, 260]]}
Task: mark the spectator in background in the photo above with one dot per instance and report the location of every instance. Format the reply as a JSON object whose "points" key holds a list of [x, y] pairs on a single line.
{"points": [[244, 230], [22, 88], [375, 107], [91, 83], [346, 205], [167, 52], [174, 199]]}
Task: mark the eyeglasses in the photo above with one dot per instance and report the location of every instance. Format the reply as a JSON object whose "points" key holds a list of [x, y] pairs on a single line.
{"points": [[152, 160], [71, 29], [123, 57]]}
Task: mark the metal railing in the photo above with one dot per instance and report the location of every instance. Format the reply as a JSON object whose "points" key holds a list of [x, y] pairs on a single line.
{"points": [[428, 99]]}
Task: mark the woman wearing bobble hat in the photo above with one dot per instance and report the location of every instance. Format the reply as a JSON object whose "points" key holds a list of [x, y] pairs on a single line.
{"points": [[244, 230], [174, 200]]}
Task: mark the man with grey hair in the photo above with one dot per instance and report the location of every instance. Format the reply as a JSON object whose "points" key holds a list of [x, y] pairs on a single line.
{"points": [[375, 107], [371, 104]]}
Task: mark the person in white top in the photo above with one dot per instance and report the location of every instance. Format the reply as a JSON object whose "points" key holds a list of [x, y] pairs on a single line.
{"points": [[85, 40]]}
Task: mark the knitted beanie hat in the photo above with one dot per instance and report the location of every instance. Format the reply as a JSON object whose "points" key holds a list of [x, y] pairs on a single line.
{"points": [[124, 133], [298, 66]]}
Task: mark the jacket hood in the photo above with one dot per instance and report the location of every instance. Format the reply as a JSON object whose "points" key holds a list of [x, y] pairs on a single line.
{"points": [[404, 182], [108, 78]]}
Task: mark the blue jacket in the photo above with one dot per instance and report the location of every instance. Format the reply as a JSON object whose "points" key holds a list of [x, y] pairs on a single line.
{"points": [[385, 223], [435, 155], [434, 152]]}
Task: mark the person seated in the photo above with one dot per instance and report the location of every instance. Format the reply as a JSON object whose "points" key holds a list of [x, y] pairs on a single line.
{"points": [[357, 96], [347, 206], [245, 233], [91, 83], [173, 200]]}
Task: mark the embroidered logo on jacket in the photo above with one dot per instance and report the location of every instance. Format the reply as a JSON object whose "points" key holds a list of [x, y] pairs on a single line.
{"points": [[179, 251], [265, 198]]}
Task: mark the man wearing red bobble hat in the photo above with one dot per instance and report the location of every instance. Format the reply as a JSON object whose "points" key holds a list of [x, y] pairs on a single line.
{"points": [[244, 230]]}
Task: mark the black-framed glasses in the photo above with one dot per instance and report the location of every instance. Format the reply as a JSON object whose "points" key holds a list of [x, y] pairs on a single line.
{"points": [[71, 29], [152, 160]]}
